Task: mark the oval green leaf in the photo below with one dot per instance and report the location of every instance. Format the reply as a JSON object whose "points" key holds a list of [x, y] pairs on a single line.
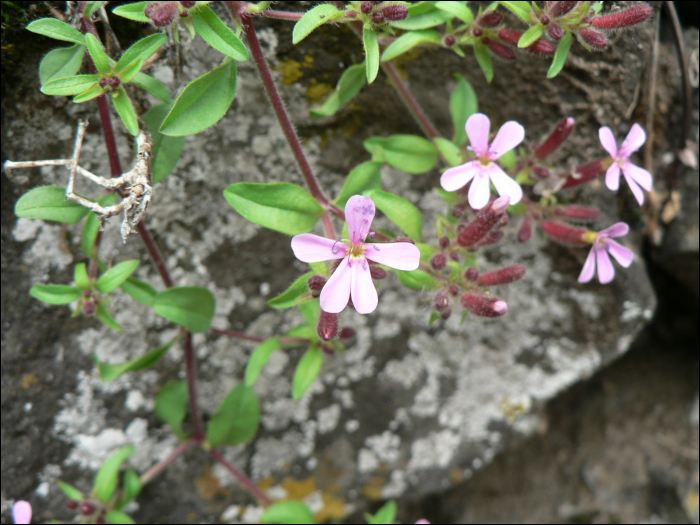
{"points": [[481, 52], [94, 92], [349, 85], [139, 290], [416, 279], [519, 9], [399, 211], [92, 224], [463, 104], [218, 35], [133, 11], [91, 7], [154, 86], [409, 153], [109, 372], [311, 310], [371, 43], [409, 41], [80, 276], [237, 418], [118, 517], [530, 36], [363, 177], [424, 20], [294, 512], [107, 476], [56, 29], [70, 491], [55, 293], [387, 514], [97, 53], [70, 85], [115, 276], [122, 103], [292, 295], [140, 50], [311, 20], [306, 372], [560, 55], [171, 406], [458, 9], [449, 151], [105, 316], [61, 63], [166, 150], [189, 306], [131, 486], [259, 358]]}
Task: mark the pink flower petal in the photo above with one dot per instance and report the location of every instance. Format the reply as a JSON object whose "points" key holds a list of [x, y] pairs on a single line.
{"points": [[607, 139], [606, 271], [588, 267], [635, 138], [479, 191], [640, 175], [636, 190], [400, 255], [364, 294], [478, 126], [309, 248], [457, 177], [616, 230], [359, 212], [505, 185], [510, 135], [22, 512], [336, 292], [622, 254], [612, 177]]}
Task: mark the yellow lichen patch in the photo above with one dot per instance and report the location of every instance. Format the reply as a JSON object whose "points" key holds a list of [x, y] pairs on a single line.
{"points": [[373, 490], [333, 509], [299, 488], [456, 476], [291, 72], [352, 123], [208, 485], [513, 410], [318, 92], [266, 483], [28, 380]]}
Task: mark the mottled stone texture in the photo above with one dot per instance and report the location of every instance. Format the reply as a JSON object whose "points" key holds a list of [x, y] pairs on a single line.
{"points": [[410, 409]]}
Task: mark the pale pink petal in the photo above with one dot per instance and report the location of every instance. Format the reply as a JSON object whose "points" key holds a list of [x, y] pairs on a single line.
{"points": [[635, 138], [505, 185], [607, 139], [457, 177], [606, 271], [359, 212], [22, 512], [422, 522], [640, 175], [478, 127], [616, 230], [310, 248], [622, 254], [479, 191], [510, 135], [588, 267], [400, 255], [336, 292], [636, 190], [612, 177], [364, 294]]}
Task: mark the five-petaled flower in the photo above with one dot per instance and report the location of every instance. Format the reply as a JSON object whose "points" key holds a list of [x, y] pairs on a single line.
{"points": [[22, 512], [352, 276], [482, 169], [602, 245], [634, 175]]}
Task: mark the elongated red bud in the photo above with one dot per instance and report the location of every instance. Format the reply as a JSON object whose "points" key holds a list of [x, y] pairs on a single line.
{"points": [[89, 307], [438, 261], [472, 274], [404, 239], [629, 17], [163, 14], [347, 333], [366, 7], [445, 314], [490, 238], [541, 171], [593, 38], [454, 290], [500, 49], [442, 301], [395, 12], [377, 17], [483, 305], [556, 138], [327, 328], [377, 273], [565, 233], [585, 173], [479, 227], [505, 275], [542, 47], [582, 213], [555, 31], [490, 19], [510, 35], [525, 230], [559, 9], [459, 209]]}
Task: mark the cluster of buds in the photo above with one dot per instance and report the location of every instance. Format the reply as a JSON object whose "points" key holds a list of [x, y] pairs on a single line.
{"points": [[478, 232], [540, 47], [328, 329], [379, 12], [163, 14]]}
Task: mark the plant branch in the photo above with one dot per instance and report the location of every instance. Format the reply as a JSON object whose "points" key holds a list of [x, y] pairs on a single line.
{"points": [[242, 478], [281, 15], [256, 338], [160, 466], [328, 226], [191, 366]]}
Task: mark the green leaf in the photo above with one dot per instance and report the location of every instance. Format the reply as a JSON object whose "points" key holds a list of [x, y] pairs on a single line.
{"points": [[319, 268], [399, 211], [92, 7], [424, 20], [530, 36], [153, 86], [306, 372], [311, 20], [81, 278], [139, 290], [519, 9], [259, 358], [451, 197], [49, 203], [166, 150], [171, 406], [56, 29], [218, 35], [203, 102], [140, 50], [97, 53], [417, 279], [421, 7], [103, 315], [237, 419], [189, 306], [131, 486], [133, 11], [409, 41], [560, 55], [304, 331], [70, 85], [294, 512], [122, 103], [426, 251], [109, 372], [449, 151], [349, 85], [70, 491], [481, 52], [371, 43], [61, 63], [292, 295], [387, 514], [107, 476], [94, 92], [365, 176], [117, 516], [463, 104], [130, 71], [55, 293], [311, 310], [115, 276], [458, 9], [92, 224], [279, 206], [409, 153]]}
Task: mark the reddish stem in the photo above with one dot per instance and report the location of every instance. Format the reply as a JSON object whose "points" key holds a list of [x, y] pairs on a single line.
{"points": [[281, 15], [160, 466], [242, 478], [256, 338]]}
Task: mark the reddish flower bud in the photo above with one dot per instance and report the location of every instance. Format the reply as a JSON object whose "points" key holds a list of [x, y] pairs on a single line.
{"points": [[347, 333], [454, 256], [450, 40], [559, 9], [487, 219], [327, 327], [525, 230], [395, 12], [629, 17], [87, 508], [377, 17], [541, 171], [72, 504], [490, 19], [327, 350], [438, 261], [510, 35], [445, 314], [505, 275], [489, 238], [582, 213], [316, 282], [114, 82], [483, 305], [442, 301], [350, 14], [542, 47], [500, 50], [188, 5], [377, 273], [444, 242], [454, 290], [366, 7], [544, 20], [477, 32], [163, 14], [565, 233], [459, 209], [149, 9], [555, 32], [556, 138], [89, 307], [585, 173], [472, 274], [404, 239], [593, 38], [103, 82]]}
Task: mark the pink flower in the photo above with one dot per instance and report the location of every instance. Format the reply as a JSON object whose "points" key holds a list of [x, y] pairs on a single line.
{"points": [[634, 175], [602, 245], [352, 276], [483, 169], [22, 512]]}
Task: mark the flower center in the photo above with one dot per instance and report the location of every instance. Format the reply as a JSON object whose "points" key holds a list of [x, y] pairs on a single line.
{"points": [[357, 251]]}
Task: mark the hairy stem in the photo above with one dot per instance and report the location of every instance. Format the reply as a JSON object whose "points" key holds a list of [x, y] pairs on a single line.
{"points": [[160, 466], [257, 339], [242, 478], [282, 15]]}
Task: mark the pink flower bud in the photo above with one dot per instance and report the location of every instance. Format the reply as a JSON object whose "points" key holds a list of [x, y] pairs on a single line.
{"points": [[87, 509], [445, 314], [438, 261], [525, 230], [347, 333], [404, 239], [585, 173], [454, 256], [459, 209], [629, 17], [450, 40], [510, 35], [505, 275], [366, 7], [327, 326], [483, 305], [487, 219], [542, 47], [89, 307], [114, 82], [490, 19], [565, 233], [377, 17], [350, 14], [582, 213], [556, 138], [377, 273], [316, 282], [499, 49], [490, 238], [72, 504], [442, 301], [188, 5], [454, 290], [477, 32], [544, 20], [555, 32], [541, 171], [593, 38], [163, 14], [395, 12], [444, 242], [472, 274], [103, 82], [559, 9], [327, 350]]}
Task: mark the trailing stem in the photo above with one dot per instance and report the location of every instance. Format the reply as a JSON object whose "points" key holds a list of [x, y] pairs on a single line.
{"points": [[242, 478]]}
